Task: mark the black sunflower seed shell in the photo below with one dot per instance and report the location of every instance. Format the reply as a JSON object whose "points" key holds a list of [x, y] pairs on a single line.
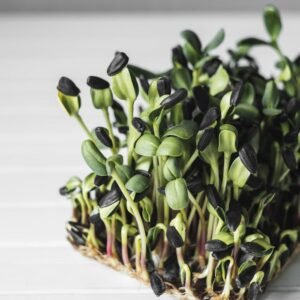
{"points": [[97, 83], [117, 106], [289, 158], [162, 190], [118, 63], [95, 217], [221, 254], [291, 137], [248, 158], [139, 124], [211, 66], [216, 246], [123, 129], [212, 115], [163, 86], [254, 249], [246, 276], [236, 93], [206, 138], [253, 291], [293, 106], [100, 180], [144, 83], [174, 98], [214, 197], [144, 173], [68, 87], [178, 56], [77, 237], [111, 197], [233, 218], [103, 136], [201, 96], [157, 284], [63, 191], [195, 186], [254, 182], [174, 237]]}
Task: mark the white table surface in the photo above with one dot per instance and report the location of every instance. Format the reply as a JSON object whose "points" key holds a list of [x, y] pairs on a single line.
{"points": [[40, 145]]}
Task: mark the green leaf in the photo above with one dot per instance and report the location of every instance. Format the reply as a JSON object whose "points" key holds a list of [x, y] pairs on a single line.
{"points": [[71, 104], [192, 38], [171, 169], [138, 183], [176, 194], [147, 209], [216, 41], [227, 139], [124, 172], [185, 130], [225, 104], [248, 94], [181, 78], [101, 98], [106, 212], [271, 95], [219, 81], [154, 233], [251, 42], [124, 85], [246, 111], [147, 145], [238, 173], [170, 146], [112, 161], [93, 157], [272, 21], [271, 112], [88, 184]]}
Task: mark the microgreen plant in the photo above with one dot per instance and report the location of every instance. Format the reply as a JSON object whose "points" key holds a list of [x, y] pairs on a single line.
{"points": [[205, 202]]}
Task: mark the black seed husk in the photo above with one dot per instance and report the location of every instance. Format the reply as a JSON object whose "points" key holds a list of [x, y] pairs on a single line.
{"points": [[248, 158], [211, 66], [174, 237], [123, 129], [157, 284], [254, 182], [178, 56], [163, 86], [144, 173], [68, 87], [95, 218], [76, 237], [63, 191], [111, 197], [144, 83], [201, 96], [174, 98], [236, 93], [233, 218], [118, 63], [253, 291], [221, 254], [162, 190], [100, 180], [103, 136], [97, 83], [291, 137], [245, 277], [216, 246], [212, 115], [214, 197], [195, 186], [253, 249], [206, 138], [139, 124], [289, 158]]}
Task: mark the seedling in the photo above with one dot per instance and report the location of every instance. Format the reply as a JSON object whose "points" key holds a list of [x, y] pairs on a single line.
{"points": [[205, 202]]}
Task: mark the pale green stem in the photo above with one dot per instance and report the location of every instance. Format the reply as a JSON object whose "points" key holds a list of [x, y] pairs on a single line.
{"points": [[225, 171], [138, 218], [190, 162], [110, 130], [83, 126]]}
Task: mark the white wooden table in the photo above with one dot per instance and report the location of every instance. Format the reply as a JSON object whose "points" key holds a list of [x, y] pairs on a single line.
{"points": [[40, 145]]}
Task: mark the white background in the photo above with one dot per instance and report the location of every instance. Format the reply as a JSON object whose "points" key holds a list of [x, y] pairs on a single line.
{"points": [[40, 144]]}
